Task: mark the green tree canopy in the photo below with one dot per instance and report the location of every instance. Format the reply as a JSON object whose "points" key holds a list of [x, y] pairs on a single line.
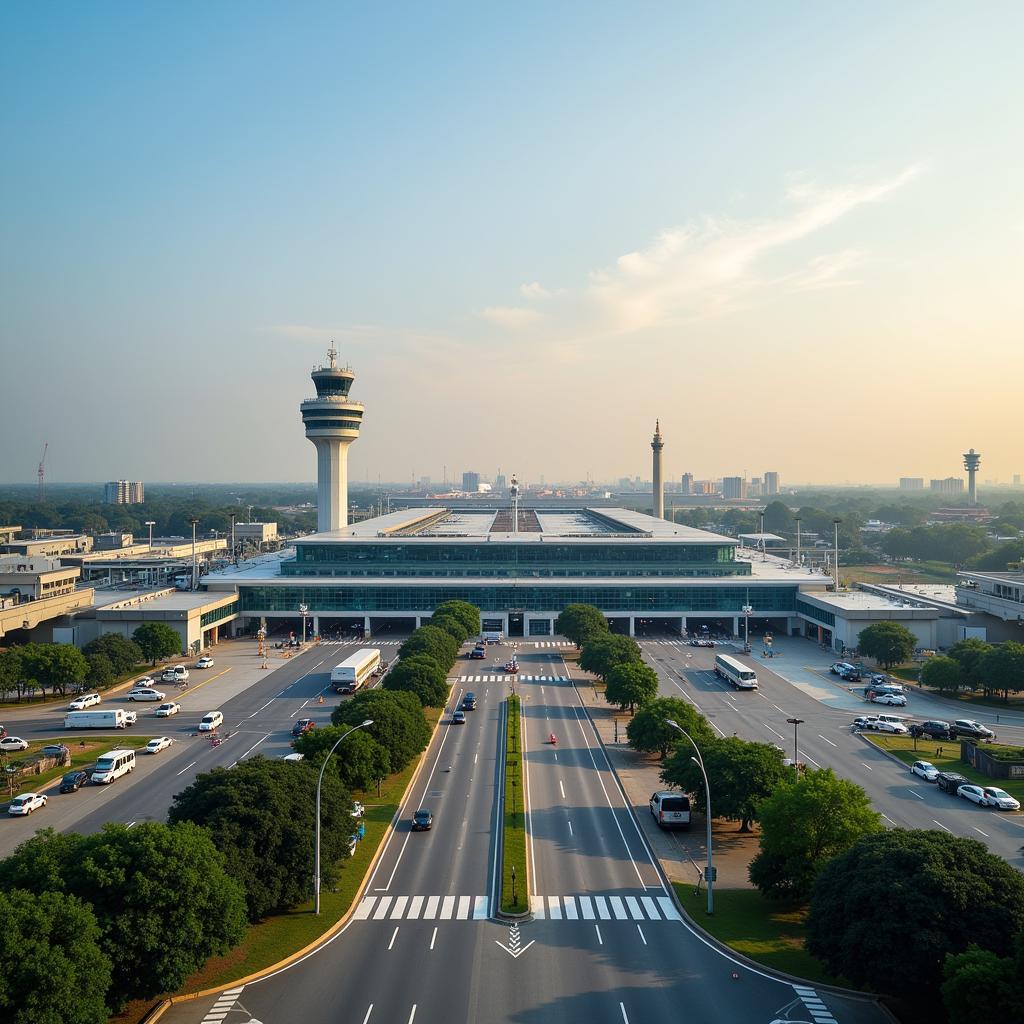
{"points": [[889, 643], [124, 654], [942, 673], [360, 762], [468, 614], [10, 672], [601, 654], [398, 722], [648, 733], [422, 675], [581, 622], [941, 893], [157, 640], [803, 825], [434, 642], [57, 666], [101, 672], [968, 654], [980, 986], [742, 776], [455, 627], [51, 966], [260, 814], [631, 683], [1002, 669]]}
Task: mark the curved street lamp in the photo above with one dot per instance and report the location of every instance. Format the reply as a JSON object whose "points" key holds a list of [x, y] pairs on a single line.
{"points": [[316, 846], [699, 762]]}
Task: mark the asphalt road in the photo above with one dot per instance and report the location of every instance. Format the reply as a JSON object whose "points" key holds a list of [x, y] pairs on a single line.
{"points": [[603, 945], [827, 740]]}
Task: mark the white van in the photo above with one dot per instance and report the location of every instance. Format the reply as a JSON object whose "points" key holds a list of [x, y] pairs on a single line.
{"points": [[211, 720], [113, 765], [492, 637], [892, 719], [670, 810]]}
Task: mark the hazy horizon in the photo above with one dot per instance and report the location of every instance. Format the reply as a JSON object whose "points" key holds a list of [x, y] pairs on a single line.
{"points": [[789, 232]]}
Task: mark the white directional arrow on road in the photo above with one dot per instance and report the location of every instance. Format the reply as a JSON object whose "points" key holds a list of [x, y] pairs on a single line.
{"points": [[513, 948]]}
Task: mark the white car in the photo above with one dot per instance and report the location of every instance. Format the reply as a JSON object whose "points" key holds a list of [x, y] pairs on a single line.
{"points": [[865, 722], [293, 758], [83, 703], [895, 699], [894, 727], [211, 720], [996, 797], [154, 746], [143, 681], [205, 662], [26, 804], [926, 770], [168, 709], [12, 744], [973, 793], [145, 693]]}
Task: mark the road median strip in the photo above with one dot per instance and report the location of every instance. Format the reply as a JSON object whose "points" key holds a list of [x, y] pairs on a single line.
{"points": [[515, 882]]}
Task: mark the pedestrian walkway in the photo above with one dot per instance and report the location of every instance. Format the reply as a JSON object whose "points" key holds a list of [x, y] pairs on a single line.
{"points": [[550, 908], [223, 1006], [511, 677], [553, 643]]}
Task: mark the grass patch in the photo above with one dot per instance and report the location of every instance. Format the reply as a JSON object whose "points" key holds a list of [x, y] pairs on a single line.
{"points": [[771, 932], [513, 849], [949, 760]]}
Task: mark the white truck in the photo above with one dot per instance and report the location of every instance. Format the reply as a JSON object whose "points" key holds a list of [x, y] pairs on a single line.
{"points": [[114, 718], [354, 672]]}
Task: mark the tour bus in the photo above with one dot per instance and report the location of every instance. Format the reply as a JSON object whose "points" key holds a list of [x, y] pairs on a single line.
{"points": [[113, 765], [732, 671], [354, 671]]}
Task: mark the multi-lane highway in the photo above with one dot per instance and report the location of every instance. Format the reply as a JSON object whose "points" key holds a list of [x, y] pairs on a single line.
{"points": [[827, 740], [604, 943]]}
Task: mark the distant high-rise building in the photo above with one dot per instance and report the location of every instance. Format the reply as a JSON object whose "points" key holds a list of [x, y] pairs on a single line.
{"points": [[771, 483], [124, 492], [948, 485], [755, 488], [911, 483], [471, 482], [734, 487], [499, 482], [1016, 479], [686, 484], [657, 444]]}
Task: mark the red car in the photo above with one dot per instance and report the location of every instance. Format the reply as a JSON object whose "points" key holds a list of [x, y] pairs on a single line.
{"points": [[302, 726]]}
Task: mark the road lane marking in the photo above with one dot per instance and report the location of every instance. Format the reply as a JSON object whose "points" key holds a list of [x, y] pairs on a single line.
{"points": [[475, 756], [641, 931], [433, 938], [888, 819], [771, 730], [976, 829], [650, 907], [431, 912], [368, 1012], [412, 1015], [447, 908], [570, 828], [625, 1019], [634, 908], [561, 788], [258, 710], [130, 823], [186, 768], [869, 768], [939, 823], [554, 908], [586, 908], [399, 908], [382, 908], [394, 935], [597, 929], [806, 756], [914, 793], [253, 747], [827, 740]]}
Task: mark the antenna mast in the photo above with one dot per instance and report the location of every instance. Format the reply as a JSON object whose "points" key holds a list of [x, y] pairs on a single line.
{"points": [[41, 496]]}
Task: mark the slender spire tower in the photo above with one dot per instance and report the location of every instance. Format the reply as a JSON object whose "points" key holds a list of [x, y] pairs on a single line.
{"points": [[971, 462], [332, 423], [657, 444]]}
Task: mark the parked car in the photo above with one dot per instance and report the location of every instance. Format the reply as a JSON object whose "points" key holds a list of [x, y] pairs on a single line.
{"points": [[144, 681], [83, 703], [422, 820], [894, 727], [670, 809], [12, 744], [996, 797], [26, 803], [896, 700], [971, 792], [933, 730], [54, 750], [865, 722], [158, 743], [74, 780], [168, 709], [205, 662], [302, 726], [145, 693], [969, 727], [459, 718], [926, 770], [950, 782]]}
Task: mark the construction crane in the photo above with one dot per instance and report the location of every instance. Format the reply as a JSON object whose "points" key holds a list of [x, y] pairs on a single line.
{"points": [[42, 477]]}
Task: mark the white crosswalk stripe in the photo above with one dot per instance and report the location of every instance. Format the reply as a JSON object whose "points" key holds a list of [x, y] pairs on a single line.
{"points": [[544, 908]]}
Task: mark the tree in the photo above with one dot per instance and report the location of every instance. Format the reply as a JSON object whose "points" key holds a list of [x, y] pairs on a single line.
{"points": [[601, 654], [456, 628], [581, 622], [361, 761], [803, 825], [778, 518], [260, 814], [10, 672], [631, 683], [124, 654], [398, 722], [51, 965], [433, 642], [648, 733], [157, 640], [421, 675], [943, 674], [468, 614], [1002, 669], [742, 775], [941, 893], [889, 643], [980, 986], [101, 672], [968, 653], [57, 666]]}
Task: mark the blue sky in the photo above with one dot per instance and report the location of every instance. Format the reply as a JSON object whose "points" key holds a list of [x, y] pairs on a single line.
{"points": [[791, 231]]}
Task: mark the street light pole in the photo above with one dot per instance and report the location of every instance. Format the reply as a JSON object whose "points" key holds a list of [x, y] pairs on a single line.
{"points": [[699, 762], [316, 846], [303, 608], [194, 521], [234, 560], [151, 523], [796, 723], [746, 609], [797, 539], [835, 560]]}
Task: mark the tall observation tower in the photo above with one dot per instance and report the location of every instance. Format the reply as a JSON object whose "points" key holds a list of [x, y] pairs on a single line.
{"points": [[972, 460], [332, 423], [657, 444]]}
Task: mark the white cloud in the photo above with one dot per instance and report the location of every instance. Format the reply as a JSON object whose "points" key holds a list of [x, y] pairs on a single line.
{"points": [[511, 317]]}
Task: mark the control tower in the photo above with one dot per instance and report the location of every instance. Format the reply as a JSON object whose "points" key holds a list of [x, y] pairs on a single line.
{"points": [[332, 423], [657, 444], [972, 460]]}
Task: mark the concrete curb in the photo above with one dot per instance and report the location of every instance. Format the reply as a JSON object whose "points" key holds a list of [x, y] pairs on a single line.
{"points": [[162, 1007]]}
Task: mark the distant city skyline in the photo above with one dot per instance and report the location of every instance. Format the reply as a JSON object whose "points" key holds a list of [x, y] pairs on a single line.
{"points": [[526, 259]]}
